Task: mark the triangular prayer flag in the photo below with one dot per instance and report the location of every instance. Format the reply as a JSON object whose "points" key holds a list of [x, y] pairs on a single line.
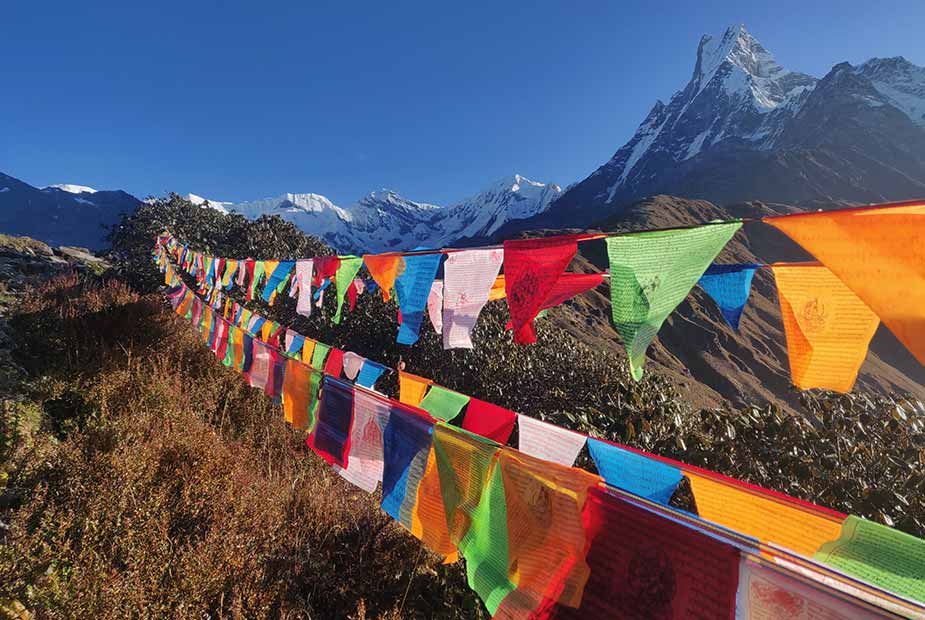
{"points": [[442, 403], [828, 327], [651, 273], [412, 288], [469, 276], [346, 272], [276, 278], [877, 253], [531, 269], [384, 269], [335, 364], [489, 420], [303, 279], [325, 269], [370, 373], [567, 286], [259, 270], [729, 286], [634, 472], [548, 442], [435, 305], [319, 353], [352, 364], [411, 388]]}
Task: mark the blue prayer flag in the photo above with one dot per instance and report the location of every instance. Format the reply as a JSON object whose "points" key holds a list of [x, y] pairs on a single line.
{"points": [[282, 271], [406, 444], [634, 472], [729, 286], [369, 373], [413, 288]]}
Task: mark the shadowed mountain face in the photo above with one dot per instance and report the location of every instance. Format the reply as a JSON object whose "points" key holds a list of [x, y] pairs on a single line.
{"points": [[61, 215], [744, 128], [708, 360]]}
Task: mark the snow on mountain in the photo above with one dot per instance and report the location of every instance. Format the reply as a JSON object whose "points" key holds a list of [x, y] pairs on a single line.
{"points": [[385, 220], [71, 188], [218, 205], [901, 82]]}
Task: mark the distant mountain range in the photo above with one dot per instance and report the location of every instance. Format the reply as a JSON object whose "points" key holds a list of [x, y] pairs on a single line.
{"points": [[61, 214], [384, 220], [744, 128]]}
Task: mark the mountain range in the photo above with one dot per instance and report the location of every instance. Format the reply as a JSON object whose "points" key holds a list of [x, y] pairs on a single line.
{"points": [[745, 128]]}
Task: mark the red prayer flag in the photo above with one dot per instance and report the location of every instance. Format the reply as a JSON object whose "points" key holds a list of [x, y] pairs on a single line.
{"points": [[325, 268], [531, 269], [567, 286], [335, 363], [644, 565], [489, 420]]}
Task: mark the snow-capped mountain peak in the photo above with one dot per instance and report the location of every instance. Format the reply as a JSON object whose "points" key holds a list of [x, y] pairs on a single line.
{"points": [[384, 220], [901, 82], [218, 205], [71, 188]]}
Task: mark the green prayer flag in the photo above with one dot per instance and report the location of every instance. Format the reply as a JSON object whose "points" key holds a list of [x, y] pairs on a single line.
{"points": [[485, 546], [442, 403], [651, 273], [313, 388], [879, 555], [229, 348], [259, 269], [343, 278], [319, 354]]}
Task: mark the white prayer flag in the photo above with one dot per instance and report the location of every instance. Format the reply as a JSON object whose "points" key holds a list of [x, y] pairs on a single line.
{"points": [[548, 442], [467, 283]]}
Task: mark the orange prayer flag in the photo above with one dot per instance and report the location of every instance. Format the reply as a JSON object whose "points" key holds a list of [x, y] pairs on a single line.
{"points": [[770, 520], [428, 518], [296, 393], [308, 348], [411, 388], [497, 289], [878, 253], [384, 269], [828, 327]]}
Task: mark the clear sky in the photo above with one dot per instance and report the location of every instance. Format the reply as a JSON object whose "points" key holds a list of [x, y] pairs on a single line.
{"points": [[241, 100]]}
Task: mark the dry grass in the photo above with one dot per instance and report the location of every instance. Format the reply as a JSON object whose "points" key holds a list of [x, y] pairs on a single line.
{"points": [[162, 486]]}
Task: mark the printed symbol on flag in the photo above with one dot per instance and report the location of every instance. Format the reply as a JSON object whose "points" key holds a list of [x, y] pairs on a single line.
{"points": [[649, 586], [650, 287], [521, 292], [462, 299], [813, 315], [537, 496], [777, 602]]}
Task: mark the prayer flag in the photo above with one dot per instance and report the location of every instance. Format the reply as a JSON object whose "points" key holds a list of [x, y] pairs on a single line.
{"points": [[411, 388], [260, 368], [346, 272], [877, 252], [406, 446], [308, 352], [643, 564], [259, 270], [497, 289], [729, 286], [384, 269], [352, 365], [489, 420], [799, 527], [880, 555], [330, 439], [319, 354], [276, 279], [274, 386], [531, 269], [325, 269], [364, 464], [442, 403], [651, 273], [294, 342], [370, 373], [412, 288], [467, 283], [296, 393], [303, 279], [634, 472], [435, 306], [828, 327], [335, 364], [548, 442]]}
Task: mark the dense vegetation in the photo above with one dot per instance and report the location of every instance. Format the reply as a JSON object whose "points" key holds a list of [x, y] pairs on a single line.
{"points": [[152, 482]]}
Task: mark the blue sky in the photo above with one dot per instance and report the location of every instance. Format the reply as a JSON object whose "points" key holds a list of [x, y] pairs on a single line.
{"points": [[242, 100]]}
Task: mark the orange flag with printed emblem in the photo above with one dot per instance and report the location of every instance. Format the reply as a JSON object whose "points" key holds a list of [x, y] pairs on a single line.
{"points": [[879, 254]]}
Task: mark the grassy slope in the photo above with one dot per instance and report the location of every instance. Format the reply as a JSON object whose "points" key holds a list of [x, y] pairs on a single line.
{"points": [[162, 486]]}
